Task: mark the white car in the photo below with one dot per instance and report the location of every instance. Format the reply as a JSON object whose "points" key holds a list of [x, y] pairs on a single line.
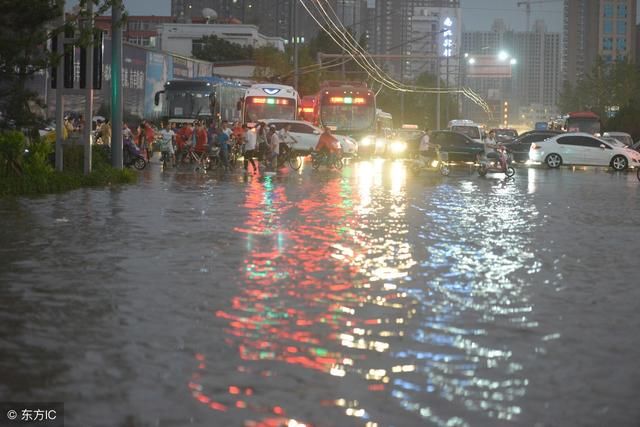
{"points": [[307, 136], [583, 149], [623, 137]]}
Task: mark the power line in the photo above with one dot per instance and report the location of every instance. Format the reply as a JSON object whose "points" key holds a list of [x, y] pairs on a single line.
{"points": [[374, 71]]}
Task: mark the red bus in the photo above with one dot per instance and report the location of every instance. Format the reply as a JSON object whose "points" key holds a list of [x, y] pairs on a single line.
{"points": [[308, 109], [582, 121], [349, 108]]}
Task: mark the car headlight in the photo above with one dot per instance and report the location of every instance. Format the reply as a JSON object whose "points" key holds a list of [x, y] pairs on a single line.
{"points": [[398, 146], [366, 141]]}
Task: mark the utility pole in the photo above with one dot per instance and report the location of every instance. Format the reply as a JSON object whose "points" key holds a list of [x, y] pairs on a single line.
{"points": [[448, 94], [60, 98], [438, 97], [88, 106], [116, 84], [294, 6]]}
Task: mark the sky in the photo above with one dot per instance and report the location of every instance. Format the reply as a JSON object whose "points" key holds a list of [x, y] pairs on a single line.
{"points": [[477, 15]]}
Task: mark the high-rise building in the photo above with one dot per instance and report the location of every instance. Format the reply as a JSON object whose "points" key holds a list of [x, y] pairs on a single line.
{"points": [[391, 31], [593, 28], [272, 17], [520, 68]]}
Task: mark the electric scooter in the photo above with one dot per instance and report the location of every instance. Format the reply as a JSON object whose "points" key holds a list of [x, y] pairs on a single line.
{"points": [[498, 161]]}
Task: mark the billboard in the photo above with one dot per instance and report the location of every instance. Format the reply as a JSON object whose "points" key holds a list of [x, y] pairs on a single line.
{"points": [[488, 66]]}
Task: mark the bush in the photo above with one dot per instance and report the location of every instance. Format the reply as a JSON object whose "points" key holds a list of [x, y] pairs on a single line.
{"points": [[12, 145]]}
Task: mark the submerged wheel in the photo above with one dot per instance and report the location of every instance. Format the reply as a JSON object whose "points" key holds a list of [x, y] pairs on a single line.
{"points": [[445, 170], [139, 163], [482, 170], [619, 163], [315, 163], [510, 171], [295, 162], [338, 164], [553, 160]]}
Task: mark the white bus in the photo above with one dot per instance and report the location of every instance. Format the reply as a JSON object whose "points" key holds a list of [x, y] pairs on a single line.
{"points": [[270, 101]]}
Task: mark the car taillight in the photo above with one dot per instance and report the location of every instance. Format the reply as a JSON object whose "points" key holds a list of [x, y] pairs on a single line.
{"points": [[535, 147]]}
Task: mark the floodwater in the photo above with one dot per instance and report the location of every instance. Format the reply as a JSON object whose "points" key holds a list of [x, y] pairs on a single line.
{"points": [[366, 297]]}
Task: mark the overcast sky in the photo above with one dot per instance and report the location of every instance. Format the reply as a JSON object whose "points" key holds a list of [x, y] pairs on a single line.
{"points": [[476, 14]]}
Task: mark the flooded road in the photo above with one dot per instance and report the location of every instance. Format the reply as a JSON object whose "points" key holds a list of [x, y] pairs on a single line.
{"points": [[366, 297]]}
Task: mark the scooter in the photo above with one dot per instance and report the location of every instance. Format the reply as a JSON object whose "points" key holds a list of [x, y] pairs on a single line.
{"points": [[435, 163], [319, 158], [498, 161], [131, 156]]}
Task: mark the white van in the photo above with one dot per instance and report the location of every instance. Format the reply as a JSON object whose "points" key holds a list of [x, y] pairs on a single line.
{"points": [[467, 127]]}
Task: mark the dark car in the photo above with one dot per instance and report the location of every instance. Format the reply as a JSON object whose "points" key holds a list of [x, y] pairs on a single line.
{"points": [[459, 147], [505, 134], [520, 146]]}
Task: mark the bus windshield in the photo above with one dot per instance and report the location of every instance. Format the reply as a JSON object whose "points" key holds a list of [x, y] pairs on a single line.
{"points": [[188, 104], [587, 125], [259, 108], [348, 117]]}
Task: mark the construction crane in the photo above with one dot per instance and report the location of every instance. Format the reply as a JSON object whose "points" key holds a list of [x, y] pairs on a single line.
{"points": [[528, 3]]}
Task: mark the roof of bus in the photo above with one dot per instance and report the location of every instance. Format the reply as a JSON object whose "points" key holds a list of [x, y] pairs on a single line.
{"points": [[583, 115], [268, 89]]}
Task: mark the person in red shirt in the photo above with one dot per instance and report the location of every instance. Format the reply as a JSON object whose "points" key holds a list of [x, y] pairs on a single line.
{"points": [[183, 139], [328, 144], [149, 137], [201, 138]]}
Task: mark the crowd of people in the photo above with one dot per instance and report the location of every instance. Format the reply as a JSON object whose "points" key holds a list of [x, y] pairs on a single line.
{"points": [[255, 142]]}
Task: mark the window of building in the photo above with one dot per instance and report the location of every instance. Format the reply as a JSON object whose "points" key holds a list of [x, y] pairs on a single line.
{"points": [[607, 43], [622, 11], [621, 44], [622, 27], [608, 10]]}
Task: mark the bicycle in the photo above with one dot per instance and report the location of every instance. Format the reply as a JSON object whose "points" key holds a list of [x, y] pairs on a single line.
{"points": [[289, 156], [195, 157]]}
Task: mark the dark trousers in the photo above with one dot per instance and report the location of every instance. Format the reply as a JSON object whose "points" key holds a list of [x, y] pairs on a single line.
{"points": [[248, 157]]}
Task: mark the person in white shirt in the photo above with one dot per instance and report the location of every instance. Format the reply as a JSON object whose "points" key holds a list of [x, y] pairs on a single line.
{"points": [[167, 138], [285, 138], [251, 140], [274, 146], [490, 146], [427, 150]]}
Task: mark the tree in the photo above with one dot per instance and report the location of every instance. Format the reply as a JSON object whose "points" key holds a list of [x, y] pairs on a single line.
{"points": [[214, 49], [605, 85], [420, 108], [25, 28]]}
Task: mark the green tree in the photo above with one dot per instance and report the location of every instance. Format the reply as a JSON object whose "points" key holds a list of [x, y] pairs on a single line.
{"points": [[25, 27], [214, 49], [605, 85], [419, 108]]}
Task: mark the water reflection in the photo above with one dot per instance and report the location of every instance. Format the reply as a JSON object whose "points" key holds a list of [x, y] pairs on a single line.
{"points": [[334, 309]]}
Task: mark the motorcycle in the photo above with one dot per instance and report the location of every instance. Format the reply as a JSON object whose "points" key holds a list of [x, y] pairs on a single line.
{"points": [[428, 163], [498, 161], [319, 158], [131, 156]]}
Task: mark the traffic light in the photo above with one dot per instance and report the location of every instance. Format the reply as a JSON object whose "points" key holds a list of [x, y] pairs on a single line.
{"points": [[97, 63]]}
